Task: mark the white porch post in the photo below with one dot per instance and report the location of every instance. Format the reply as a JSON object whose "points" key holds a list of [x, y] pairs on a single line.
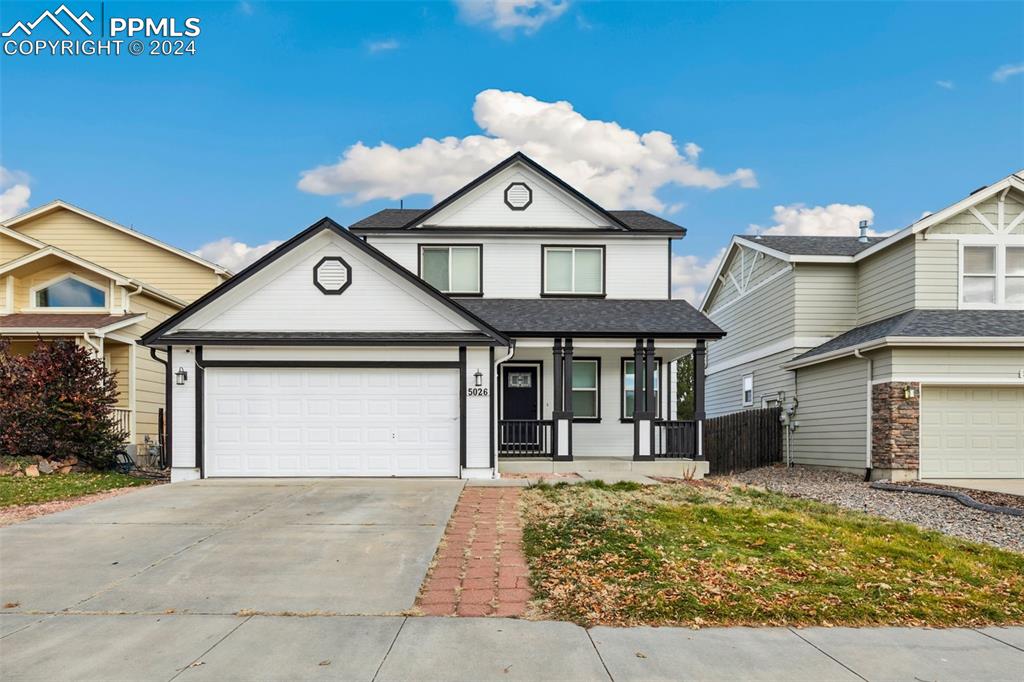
{"points": [[699, 366], [644, 405]]}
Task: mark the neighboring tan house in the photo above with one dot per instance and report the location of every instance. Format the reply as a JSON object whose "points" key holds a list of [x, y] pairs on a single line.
{"points": [[902, 355], [65, 272], [515, 325]]}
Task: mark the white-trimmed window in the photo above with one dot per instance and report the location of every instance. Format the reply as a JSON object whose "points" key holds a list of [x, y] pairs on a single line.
{"points": [[992, 274], [630, 387], [69, 292], [586, 389], [748, 390], [573, 271], [452, 269]]}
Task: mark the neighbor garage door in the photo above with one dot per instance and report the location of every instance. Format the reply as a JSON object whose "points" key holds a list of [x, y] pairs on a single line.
{"points": [[331, 422], [972, 432]]}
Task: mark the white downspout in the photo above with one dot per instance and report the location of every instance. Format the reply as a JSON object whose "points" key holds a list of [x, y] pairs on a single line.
{"points": [[126, 298], [868, 448]]}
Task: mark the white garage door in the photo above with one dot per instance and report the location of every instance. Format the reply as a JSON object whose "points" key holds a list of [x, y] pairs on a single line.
{"points": [[331, 422], [972, 432]]}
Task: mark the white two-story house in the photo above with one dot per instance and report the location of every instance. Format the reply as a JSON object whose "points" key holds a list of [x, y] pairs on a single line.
{"points": [[514, 326], [902, 355]]}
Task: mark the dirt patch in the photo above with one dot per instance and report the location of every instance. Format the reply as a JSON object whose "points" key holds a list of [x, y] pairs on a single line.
{"points": [[25, 512]]}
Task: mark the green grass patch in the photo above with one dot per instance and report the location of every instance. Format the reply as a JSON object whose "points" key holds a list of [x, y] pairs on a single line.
{"points": [[699, 555], [24, 490]]}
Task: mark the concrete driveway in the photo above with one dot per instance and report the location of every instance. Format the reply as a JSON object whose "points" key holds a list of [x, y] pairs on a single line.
{"points": [[229, 546]]}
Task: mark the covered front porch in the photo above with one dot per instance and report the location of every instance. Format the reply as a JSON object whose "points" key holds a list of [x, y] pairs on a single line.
{"points": [[600, 405]]}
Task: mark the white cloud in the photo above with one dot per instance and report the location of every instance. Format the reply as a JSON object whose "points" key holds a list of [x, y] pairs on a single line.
{"points": [[1006, 71], [246, 7], [510, 15], [946, 85], [692, 275], [382, 45], [837, 220], [234, 255], [615, 166], [14, 193]]}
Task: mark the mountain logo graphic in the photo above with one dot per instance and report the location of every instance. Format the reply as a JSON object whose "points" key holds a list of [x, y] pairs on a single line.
{"points": [[79, 20]]}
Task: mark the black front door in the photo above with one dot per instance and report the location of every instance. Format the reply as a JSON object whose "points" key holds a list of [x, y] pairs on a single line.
{"points": [[520, 393]]}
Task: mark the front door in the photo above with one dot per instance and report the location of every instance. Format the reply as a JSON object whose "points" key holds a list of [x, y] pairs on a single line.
{"points": [[520, 407]]}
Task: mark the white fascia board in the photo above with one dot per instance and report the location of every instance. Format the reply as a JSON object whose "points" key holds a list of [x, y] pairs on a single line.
{"points": [[57, 203], [717, 277], [117, 277], [908, 341], [69, 331], [790, 343], [24, 238]]}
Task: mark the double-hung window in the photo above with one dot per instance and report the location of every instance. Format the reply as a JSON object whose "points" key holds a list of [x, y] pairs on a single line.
{"points": [[586, 389], [454, 269], [573, 271], [630, 386], [992, 276]]}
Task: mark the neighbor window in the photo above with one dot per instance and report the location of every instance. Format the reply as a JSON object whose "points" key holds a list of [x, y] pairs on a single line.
{"points": [[573, 270], [993, 275], [586, 388], [748, 390], [452, 269], [630, 386], [70, 292]]}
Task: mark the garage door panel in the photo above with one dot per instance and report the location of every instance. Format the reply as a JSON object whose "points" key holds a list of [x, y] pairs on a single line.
{"points": [[972, 432], [331, 422]]}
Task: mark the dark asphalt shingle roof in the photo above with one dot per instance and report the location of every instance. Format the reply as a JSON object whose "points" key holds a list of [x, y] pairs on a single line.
{"points": [[592, 316], [930, 323], [396, 218], [61, 320], [813, 246]]}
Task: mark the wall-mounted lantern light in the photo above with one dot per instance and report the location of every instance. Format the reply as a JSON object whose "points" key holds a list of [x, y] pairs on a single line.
{"points": [[478, 378], [181, 376], [909, 392]]}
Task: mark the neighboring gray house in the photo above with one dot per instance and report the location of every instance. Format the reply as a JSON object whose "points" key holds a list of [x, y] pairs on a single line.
{"points": [[902, 355]]}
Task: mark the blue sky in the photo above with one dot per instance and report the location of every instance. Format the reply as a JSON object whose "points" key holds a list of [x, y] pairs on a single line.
{"points": [[894, 109]]}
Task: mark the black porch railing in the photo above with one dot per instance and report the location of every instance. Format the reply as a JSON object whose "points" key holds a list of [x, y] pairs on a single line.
{"points": [[524, 437], [675, 438]]}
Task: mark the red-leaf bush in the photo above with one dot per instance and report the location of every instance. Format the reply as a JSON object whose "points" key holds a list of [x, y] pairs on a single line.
{"points": [[57, 402]]}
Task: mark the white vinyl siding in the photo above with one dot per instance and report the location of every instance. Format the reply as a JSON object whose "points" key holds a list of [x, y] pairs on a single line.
{"points": [[183, 425], [573, 270], [636, 267], [832, 414]]}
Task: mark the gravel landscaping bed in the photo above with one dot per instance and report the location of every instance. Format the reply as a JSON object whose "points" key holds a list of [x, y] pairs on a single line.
{"points": [[928, 511], [984, 496]]}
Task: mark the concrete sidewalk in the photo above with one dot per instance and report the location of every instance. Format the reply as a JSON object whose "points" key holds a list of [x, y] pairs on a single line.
{"points": [[218, 647]]}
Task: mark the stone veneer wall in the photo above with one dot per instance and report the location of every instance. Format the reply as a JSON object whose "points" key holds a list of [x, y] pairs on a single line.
{"points": [[895, 426]]}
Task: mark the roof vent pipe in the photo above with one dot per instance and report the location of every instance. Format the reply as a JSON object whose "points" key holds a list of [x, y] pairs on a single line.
{"points": [[863, 231]]}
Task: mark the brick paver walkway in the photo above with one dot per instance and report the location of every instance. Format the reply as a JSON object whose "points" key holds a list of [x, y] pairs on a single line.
{"points": [[480, 568]]}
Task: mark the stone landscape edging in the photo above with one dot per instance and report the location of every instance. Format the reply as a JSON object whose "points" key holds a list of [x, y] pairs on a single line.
{"points": [[962, 498]]}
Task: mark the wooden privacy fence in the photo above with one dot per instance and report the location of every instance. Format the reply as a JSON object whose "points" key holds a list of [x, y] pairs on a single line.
{"points": [[743, 440]]}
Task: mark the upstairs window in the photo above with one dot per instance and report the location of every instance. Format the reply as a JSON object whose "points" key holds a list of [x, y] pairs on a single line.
{"points": [[452, 269], [70, 292], [992, 276], [573, 271]]}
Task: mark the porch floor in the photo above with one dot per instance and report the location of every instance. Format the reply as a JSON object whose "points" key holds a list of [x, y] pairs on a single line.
{"points": [[678, 468]]}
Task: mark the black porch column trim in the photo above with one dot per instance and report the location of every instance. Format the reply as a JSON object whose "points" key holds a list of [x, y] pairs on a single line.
{"points": [[462, 408], [200, 409], [639, 396], [556, 368], [651, 402], [566, 411], [567, 405], [699, 367]]}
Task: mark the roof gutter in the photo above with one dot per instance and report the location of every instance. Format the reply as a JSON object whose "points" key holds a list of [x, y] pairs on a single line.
{"points": [[909, 341]]}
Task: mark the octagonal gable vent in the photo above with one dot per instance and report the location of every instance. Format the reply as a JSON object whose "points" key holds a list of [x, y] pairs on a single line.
{"points": [[332, 275], [518, 196]]}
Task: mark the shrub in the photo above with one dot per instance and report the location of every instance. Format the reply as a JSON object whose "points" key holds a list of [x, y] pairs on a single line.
{"points": [[57, 402]]}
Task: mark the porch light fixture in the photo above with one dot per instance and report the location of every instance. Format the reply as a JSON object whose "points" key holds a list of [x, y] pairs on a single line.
{"points": [[478, 378], [909, 392], [181, 376]]}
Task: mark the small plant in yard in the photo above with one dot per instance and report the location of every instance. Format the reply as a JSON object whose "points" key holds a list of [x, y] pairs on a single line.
{"points": [[703, 555], [56, 402]]}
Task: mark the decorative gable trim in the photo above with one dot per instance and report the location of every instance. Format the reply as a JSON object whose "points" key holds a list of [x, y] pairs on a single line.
{"points": [[521, 158], [58, 204], [159, 336]]}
